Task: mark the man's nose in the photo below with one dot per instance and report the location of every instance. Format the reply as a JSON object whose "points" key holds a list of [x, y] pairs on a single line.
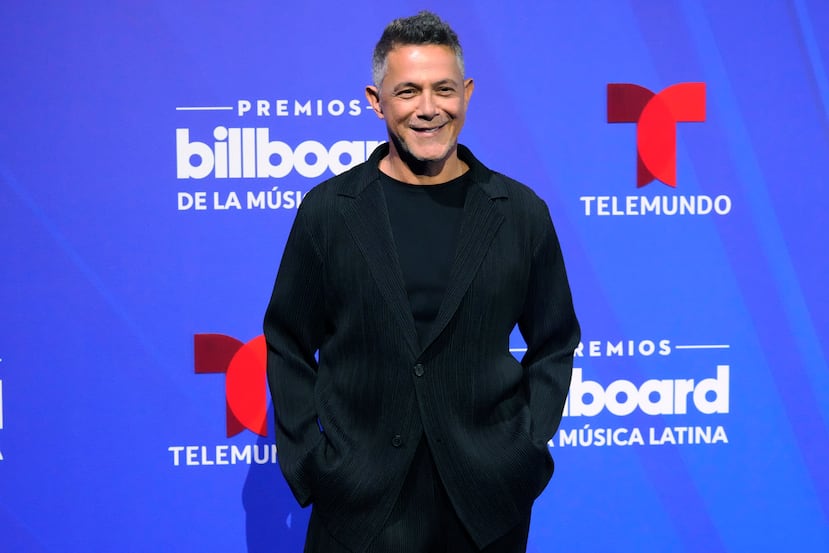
{"points": [[426, 107]]}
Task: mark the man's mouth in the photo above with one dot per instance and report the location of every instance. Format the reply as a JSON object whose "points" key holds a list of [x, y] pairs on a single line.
{"points": [[428, 130]]}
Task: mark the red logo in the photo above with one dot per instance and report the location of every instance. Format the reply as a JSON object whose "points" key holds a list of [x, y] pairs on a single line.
{"points": [[245, 379], [656, 116]]}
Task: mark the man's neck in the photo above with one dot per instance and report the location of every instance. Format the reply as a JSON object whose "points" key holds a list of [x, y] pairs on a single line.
{"points": [[422, 173]]}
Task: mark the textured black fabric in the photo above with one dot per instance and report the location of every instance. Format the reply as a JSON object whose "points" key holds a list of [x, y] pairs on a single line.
{"points": [[422, 521], [425, 221], [377, 388]]}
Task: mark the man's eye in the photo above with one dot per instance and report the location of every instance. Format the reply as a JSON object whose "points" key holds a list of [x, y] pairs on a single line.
{"points": [[406, 93]]}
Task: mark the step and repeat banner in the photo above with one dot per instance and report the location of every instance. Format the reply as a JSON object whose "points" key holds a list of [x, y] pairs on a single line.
{"points": [[152, 159]]}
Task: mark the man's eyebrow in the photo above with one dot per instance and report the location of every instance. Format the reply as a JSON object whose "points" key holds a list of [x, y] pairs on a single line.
{"points": [[445, 82], [406, 85], [409, 84]]}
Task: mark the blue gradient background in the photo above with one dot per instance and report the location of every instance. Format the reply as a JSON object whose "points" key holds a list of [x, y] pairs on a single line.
{"points": [[105, 282]]}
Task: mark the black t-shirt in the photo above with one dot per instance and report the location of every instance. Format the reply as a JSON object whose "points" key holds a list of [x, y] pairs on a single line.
{"points": [[425, 220]]}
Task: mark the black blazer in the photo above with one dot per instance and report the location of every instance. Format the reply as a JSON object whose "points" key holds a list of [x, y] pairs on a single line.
{"points": [[348, 425]]}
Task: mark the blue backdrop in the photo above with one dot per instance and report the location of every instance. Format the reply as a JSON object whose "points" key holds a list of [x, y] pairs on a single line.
{"points": [[152, 155]]}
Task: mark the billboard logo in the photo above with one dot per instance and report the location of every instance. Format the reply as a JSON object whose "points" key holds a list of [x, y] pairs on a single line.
{"points": [[656, 116], [243, 365], [247, 153], [653, 397]]}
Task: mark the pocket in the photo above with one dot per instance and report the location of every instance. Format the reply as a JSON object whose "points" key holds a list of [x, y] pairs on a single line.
{"points": [[543, 463], [326, 457], [328, 465]]}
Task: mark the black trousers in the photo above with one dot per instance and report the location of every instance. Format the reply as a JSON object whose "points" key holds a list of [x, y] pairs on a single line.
{"points": [[422, 521]]}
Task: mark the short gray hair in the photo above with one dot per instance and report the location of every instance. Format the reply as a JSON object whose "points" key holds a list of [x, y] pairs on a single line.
{"points": [[423, 28]]}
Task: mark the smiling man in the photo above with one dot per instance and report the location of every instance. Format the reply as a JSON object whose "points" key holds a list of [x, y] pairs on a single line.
{"points": [[401, 415], [421, 93]]}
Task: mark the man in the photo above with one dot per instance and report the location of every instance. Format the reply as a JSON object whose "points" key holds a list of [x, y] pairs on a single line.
{"points": [[416, 430]]}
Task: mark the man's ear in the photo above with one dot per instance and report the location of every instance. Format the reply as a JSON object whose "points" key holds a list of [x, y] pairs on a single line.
{"points": [[468, 87], [373, 97]]}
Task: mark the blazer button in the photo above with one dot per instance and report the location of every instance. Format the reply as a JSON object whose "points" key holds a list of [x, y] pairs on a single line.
{"points": [[419, 370], [397, 441]]}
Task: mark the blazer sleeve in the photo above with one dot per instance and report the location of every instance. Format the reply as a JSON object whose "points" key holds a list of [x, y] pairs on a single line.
{"points": [[550, 329], [294, 328]]}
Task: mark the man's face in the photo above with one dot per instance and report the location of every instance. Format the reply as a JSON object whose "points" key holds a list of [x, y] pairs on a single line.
{"points": [[423, 99]]}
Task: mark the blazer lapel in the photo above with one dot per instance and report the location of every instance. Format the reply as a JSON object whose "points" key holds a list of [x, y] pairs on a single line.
{"points": [[479, 224], [367, 217]]}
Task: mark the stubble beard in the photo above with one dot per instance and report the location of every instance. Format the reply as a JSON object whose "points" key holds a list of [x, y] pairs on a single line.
{"points": [[419, 165]]}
